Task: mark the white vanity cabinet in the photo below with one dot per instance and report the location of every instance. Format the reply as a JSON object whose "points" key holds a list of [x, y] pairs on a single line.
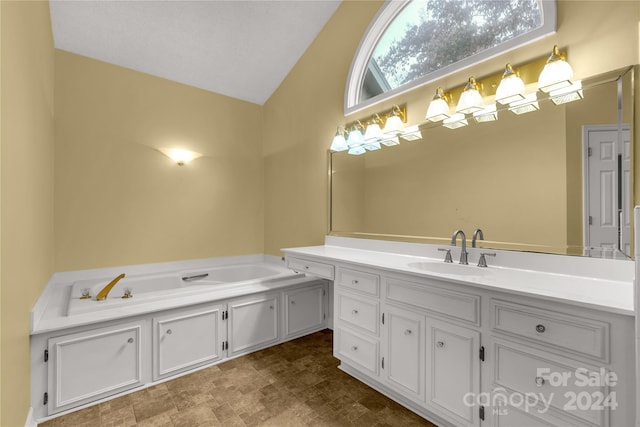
{"points": [[305, 310], [90, 365], [253, 323], [186, 339]]}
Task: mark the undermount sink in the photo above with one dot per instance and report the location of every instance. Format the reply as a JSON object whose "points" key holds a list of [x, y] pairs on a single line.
{"points": [[449, 268]]}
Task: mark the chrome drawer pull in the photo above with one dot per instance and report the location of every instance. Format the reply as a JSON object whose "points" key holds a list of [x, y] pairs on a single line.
{"points": [[540, 328], [354, 348], [440, 344], [539, 381], [407, 332], [354, 311]]}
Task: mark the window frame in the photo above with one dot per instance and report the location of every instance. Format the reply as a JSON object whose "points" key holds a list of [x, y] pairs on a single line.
{"points": [[385, 16]]}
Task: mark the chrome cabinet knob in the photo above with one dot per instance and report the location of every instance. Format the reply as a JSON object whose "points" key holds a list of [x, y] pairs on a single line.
{"points": [[540, 381], [355, 282], [540, 328], [354, 311], [354, 348], [130, 340], [293, 302], [407, 332], [169, 331], [440, 344]]}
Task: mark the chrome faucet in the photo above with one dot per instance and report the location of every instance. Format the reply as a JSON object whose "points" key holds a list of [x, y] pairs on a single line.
{"points": [[102, 295], [463, 254], [476, 233]]}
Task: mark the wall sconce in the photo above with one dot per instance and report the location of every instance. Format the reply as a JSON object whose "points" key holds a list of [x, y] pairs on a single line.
{"points": [[439, 107], [511, 87], [395, 122], [556, 74], [179, 155], [470, 100], [339, 143]]}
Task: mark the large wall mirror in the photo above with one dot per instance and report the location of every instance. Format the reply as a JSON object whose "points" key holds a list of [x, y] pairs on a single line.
{"points": [[557, 180]]}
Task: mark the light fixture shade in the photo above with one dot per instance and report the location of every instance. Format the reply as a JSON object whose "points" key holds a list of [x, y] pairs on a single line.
{"points": [[438, 108], [179, 155], [393, 126], [526, 105], [470, 100], [511, 87], [556, 74], [567, 94], [487, 114], [339, 143], [411, 133], [456, 121], [373, 133], [356, 151], [355, 138]]}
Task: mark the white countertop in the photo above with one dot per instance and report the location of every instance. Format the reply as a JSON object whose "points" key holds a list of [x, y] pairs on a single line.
{"points": [[603, 284]]}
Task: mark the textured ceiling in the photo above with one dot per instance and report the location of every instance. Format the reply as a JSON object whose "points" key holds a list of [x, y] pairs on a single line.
{"points": [[242, 49]]}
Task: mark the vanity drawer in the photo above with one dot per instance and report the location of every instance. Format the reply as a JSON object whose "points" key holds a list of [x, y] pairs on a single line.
{"points": [[448, 303], [570, 333], [311, 267], [563, 383], [358, 312], [357, 350], [358, 281]]}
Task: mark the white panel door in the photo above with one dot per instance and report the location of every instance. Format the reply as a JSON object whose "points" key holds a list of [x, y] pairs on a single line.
{"points": [[304, 310], [253, 323], [404, 357], [187, 339], [89, 365], [453, 370]]}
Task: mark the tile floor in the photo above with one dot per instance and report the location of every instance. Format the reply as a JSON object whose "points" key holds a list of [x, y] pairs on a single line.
{"points": [[292, 384]]}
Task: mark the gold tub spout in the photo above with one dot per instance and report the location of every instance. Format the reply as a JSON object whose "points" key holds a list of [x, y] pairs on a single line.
{"points": [[102, 295]]}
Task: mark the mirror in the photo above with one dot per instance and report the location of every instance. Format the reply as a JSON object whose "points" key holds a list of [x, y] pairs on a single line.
{"points": [[520, 179]]}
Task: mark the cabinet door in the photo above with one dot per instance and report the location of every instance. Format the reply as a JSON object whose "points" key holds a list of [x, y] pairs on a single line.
{"points": [[404, 357], [253, 323], [453, 370], [90, 365], [187, 339], [304, 310]]}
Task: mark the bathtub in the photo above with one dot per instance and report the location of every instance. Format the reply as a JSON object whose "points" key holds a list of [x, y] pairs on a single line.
{"points": [[154, 287]]}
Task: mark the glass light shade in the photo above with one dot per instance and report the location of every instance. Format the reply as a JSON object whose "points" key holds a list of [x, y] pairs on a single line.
{"points": [[438, 107], [355, 138], [487, 114], [390, 141], [393, 126], [567, 94], [470, 100], [412, 133], [179, 155], [339, 143], [455, 121], [526, 105], [556, 74], [373, 133], [356, 151], [511, 87], [372, 146]]}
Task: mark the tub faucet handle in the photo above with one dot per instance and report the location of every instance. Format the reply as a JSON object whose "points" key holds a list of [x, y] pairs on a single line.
{"points": [[482, 262], [447, 257]]}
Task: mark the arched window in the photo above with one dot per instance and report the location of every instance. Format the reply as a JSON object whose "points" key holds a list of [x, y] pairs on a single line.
{"points": [[411, 43]]}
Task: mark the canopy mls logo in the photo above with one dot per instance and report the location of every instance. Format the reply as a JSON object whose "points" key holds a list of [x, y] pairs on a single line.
{"points": [[566, 390]]}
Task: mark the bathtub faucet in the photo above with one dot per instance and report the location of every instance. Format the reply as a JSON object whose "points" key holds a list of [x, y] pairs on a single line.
{"points": [[102, 295]]}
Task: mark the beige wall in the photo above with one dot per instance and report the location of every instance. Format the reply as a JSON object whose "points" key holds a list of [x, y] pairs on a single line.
{"points": [[26, 192], [119, 201], [599, 36]]}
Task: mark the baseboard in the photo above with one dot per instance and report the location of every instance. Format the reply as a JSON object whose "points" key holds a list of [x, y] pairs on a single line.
{"points": [[31, 422]]}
